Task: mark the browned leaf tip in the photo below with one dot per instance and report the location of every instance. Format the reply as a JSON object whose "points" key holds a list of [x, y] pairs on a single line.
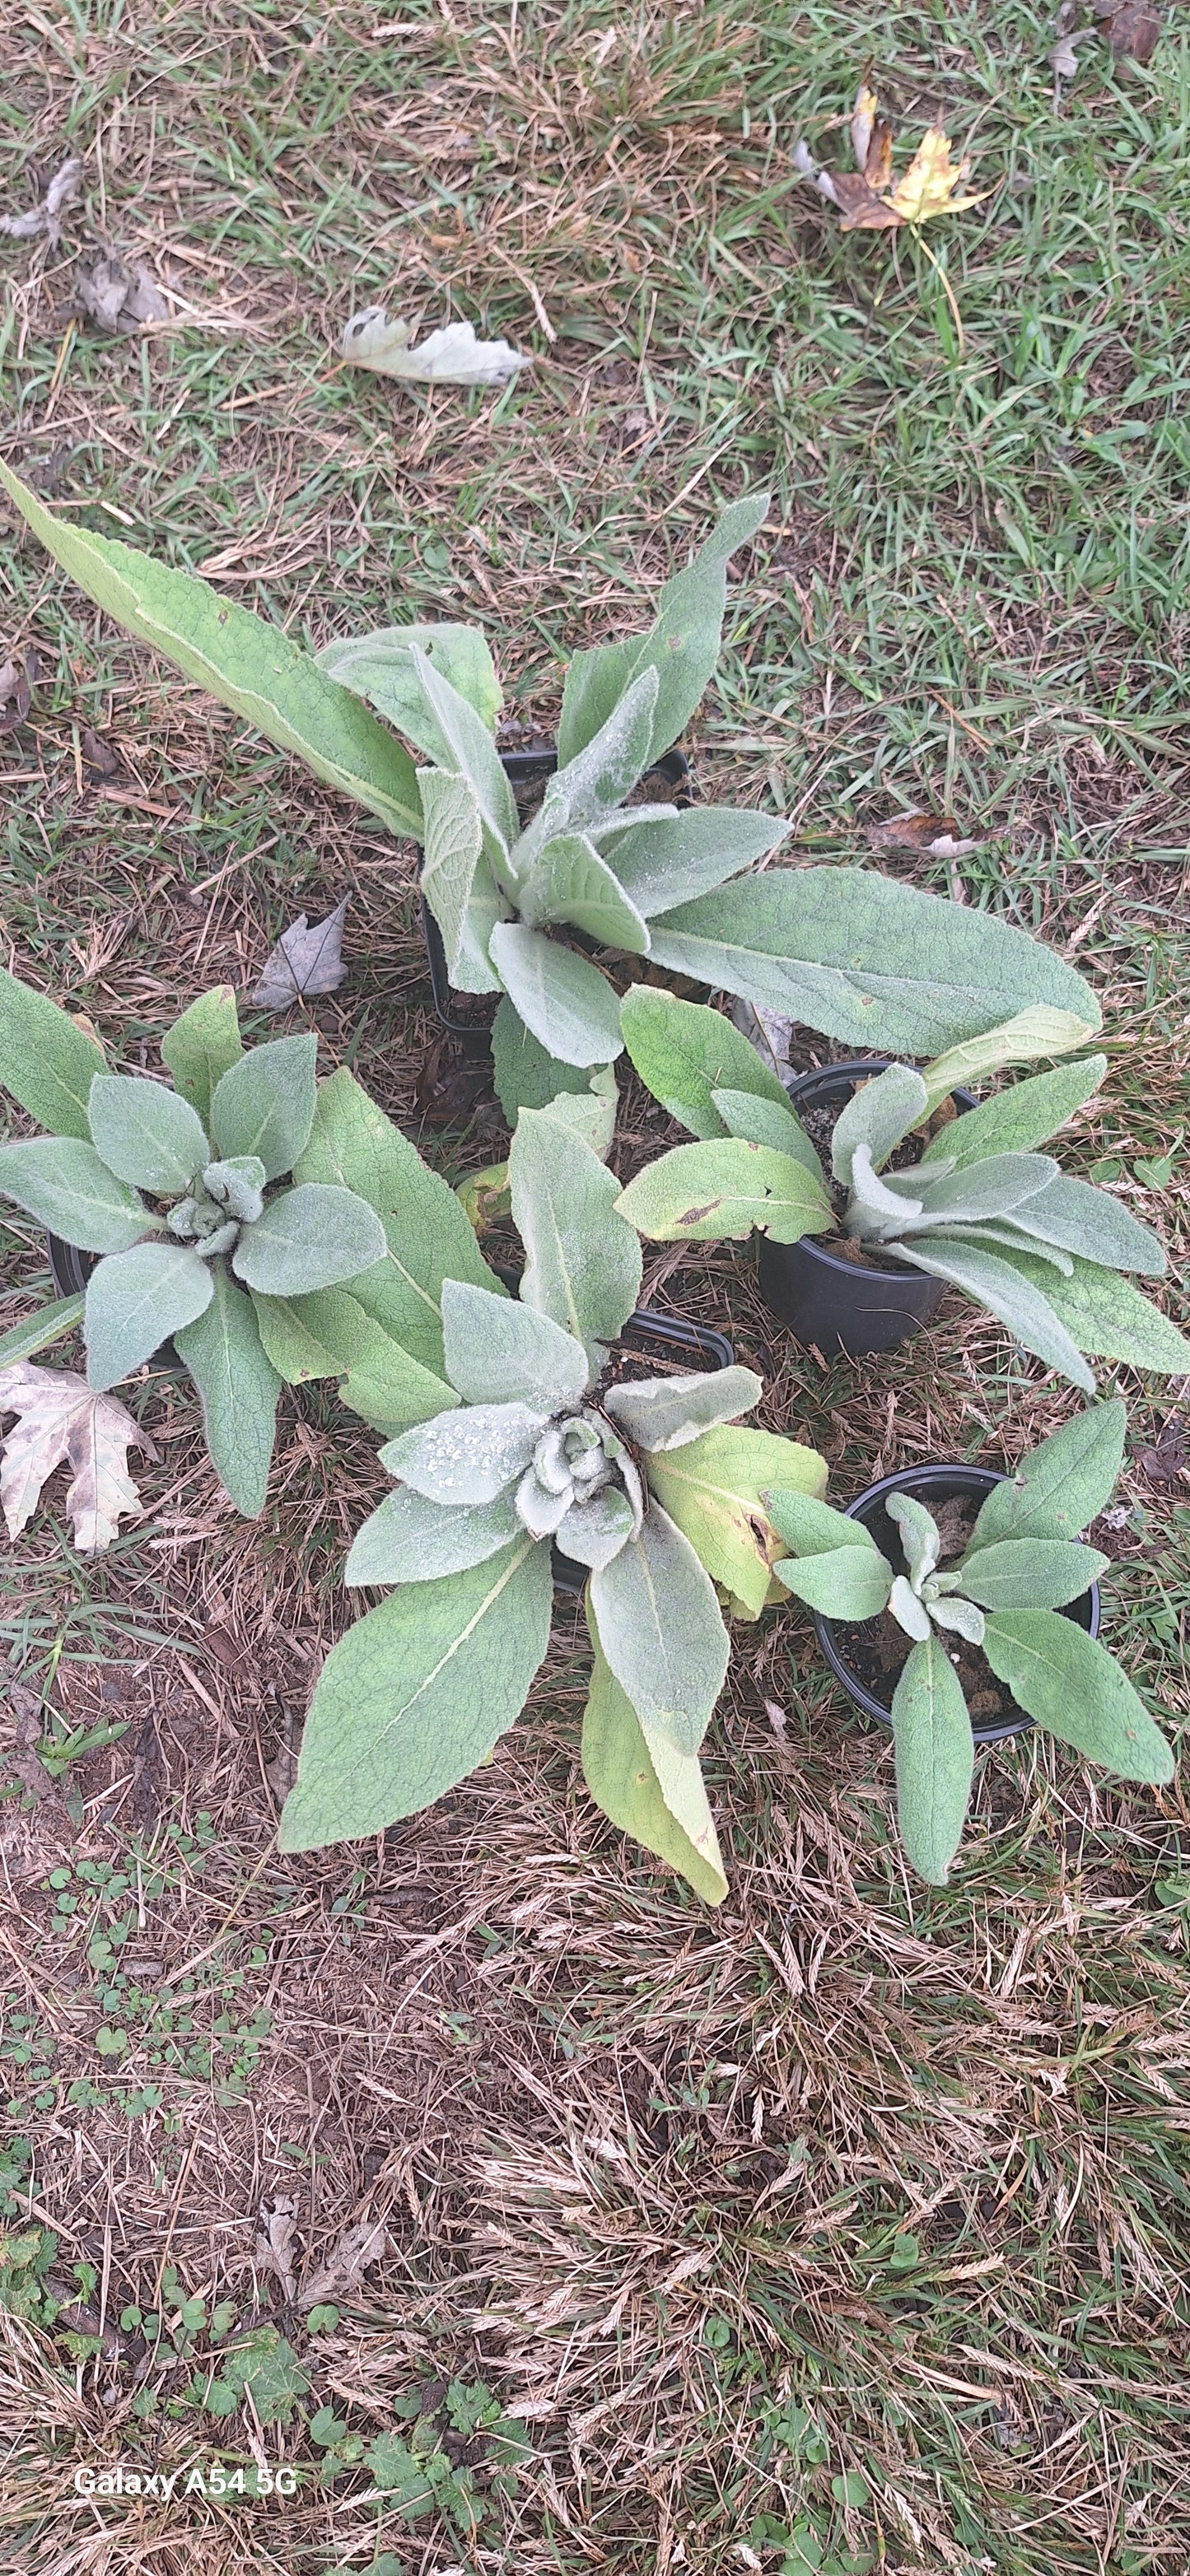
{"points": [[1131, 27], [862, 211]]}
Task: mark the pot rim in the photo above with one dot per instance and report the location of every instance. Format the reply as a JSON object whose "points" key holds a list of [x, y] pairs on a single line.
{"points": [[910, 1480]]}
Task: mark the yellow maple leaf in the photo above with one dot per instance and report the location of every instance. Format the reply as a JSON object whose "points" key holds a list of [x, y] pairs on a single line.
{"points": [[927, 187]]}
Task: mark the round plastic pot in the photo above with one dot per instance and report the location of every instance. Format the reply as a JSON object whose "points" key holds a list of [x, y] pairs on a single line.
{"points": [[675, 1333], [930, 1485], [70, 1270], [835, 1304], [520, 768]]}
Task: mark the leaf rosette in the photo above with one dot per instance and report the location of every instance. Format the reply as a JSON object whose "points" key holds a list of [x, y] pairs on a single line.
{"points": [[980, 1208], [651, 1484], [246, 1212], [1022, 1565]]}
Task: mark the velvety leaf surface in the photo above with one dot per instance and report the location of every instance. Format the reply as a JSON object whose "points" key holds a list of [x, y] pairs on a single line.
{"points": [[1106, 1316], [1030, 1312], [46, 1062], [329, 1334], [62, 1182], [573, 1012], [676, 858], [146, 1134], [264, 1103], [570, 882], [622, 1776], [666, 1413], [684, 1052], [725, 1188], [380, 667], [845, 1583], [583, 1263], [1060, 1486], [202, 1046], [1070, 1685], [1031, 1574], [313, 1236], [468, 1455], [935, 1757], [1021, 1116], [501, 1352], [135, 1300], [715, 1490], [660, 1628], [411, 1540], [415, 1694], [238, 1388]]}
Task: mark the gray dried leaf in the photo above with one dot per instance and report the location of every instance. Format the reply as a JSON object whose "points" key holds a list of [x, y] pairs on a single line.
{"points": [[305, 961], [60, 1418], [274, 2245], [345, 2266], [16, 691], [44, 218], [117, 298], [452, 356]]}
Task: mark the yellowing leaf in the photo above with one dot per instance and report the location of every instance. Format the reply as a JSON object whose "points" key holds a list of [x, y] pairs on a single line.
{"points": [[60, 1419], [712, 1488], [928, 185]]}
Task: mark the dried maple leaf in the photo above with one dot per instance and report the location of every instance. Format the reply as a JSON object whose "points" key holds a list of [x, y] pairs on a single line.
{"points": [[928, 186], [345, 2266], [304, 961], [61, 1419], [866, 197]]}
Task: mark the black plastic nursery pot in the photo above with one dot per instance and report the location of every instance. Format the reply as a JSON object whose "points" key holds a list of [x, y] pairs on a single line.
{"points": [[468, 1016], [931, 1485], [675, 1333], [824, 1299]]}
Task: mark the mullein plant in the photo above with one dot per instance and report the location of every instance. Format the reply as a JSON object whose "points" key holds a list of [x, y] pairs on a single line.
{"points": [[859, 956], [1003, 1595], [978, 1206], [654, 1485], [221, 1215]]}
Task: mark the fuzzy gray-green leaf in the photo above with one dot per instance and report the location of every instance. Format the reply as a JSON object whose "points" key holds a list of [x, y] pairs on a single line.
{"points": [[134, 1301], [667, 1412], [416, 1694], [238, 1389], [569, 882], [47, 1324], [202, 1045], [1030, 1573], [473, 752], [878, 1114], [264, 1103], [1084, 1220], [1105, 1315], [62, 1182], [935, 1757], [572, 1010], [676, 857], [46, 1062], [583, 1263], [310, 1237], [660, 1628], [909, 1613], [623, 1772], [865, 958], [468, 1455], [412, 1540], [920, 1537], [453, 828], [682, 645], [146, 1134], [1062, 1485], [684, 1052], [1029, 1311], [380, 667], [761, 1122], [723, 1189], [499, 1351], [810, 1526], [848, 1581], [1021, 1116], [1069, 1684]]}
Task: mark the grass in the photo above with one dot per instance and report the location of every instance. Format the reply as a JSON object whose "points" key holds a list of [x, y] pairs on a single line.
{"points": [[845, 2228]]}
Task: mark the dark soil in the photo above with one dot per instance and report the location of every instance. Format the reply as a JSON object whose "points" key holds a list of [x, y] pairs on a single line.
{"points": [[878, 1649]]}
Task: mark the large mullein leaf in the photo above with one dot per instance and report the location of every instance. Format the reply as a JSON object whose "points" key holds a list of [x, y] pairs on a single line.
{"points": [[1024, 1115], [573, 1012], [1079, 1218], [811, 1527], [411, 1540], [1069, 1684], [675, 858], [1062, 1485], [380, 667], [462, 899], [146, 1134], [865, 958], [682, 645], [660, 1628], [761, 1122], [238, 1388], [329, 1334], [1020, 1040], [667, 1412], [594, 1531], [583, 1263], [878, 1114], [525, 1074], [594, 782], [623, 1776], [428, 1237], [416, 1694], [264, 1103], [724, 1188], [715, 1491], [314, 1236], [1105, 1315], [998, 1186], [501, 1352], [1030, 1574], [61, 1181], [685, 1052], [1028, 1311], [570, 882], [46, 1062], [468, 1455], [203, 1045], [935, 1757], [134, 1301], [1004, 1232], [247, 664]]}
